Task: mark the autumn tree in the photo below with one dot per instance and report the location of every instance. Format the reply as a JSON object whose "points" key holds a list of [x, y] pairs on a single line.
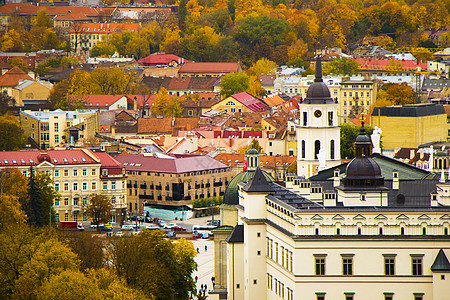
{"points": [[18, 62], [111, 81], [11, 133], [89, 250], [254, 145], [166, 105], [395, 94], [168, 265], [99, 209], [342, 66], [42, 19], [13, 193], [262, 67], [234, 83]]}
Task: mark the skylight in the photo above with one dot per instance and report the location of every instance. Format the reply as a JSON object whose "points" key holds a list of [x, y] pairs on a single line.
{"points": [[5, 161], [14, 161], [83, 159], [22, 161], [65, 160], [138, 165], [31, 161], [131, 164], [74, 159], [55, 160], [125, 164]]}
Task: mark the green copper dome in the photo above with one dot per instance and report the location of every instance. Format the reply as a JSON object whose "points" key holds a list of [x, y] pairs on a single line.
{"points": [[231, 193]]}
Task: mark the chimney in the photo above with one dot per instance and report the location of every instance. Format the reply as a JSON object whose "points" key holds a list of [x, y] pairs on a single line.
{"points": [[113, 131], [135, 107], [336, 180]]}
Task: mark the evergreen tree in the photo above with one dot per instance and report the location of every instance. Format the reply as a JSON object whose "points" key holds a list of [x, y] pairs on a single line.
{"points": [[34, 208], [182, 13]]}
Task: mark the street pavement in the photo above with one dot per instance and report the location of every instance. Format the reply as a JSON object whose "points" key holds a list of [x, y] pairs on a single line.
{"points": [[205, 262]]}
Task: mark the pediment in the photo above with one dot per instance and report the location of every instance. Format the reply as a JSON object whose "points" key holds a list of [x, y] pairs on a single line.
{"points": [[381, 217], [402, 217], [44, 164], [359, 217], [317, 217], [338, 217], [424, 217], [445, 217]]}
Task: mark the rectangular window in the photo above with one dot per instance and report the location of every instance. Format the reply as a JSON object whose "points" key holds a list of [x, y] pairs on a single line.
{"points": [[75, 186], [320, 296], [347, 265], [349, 296], [56, 139], [84, 186], [418, 296], [94, 172], [56, 202], [66, 201], [66, 173], [66, 186], [84, 172], [388, 296], [94, 186], [76, 201], [105, 185], [57, 186], [416, 261], [305, 118], [66, 217], [84, 201], [276, 252], [113, 185], [282, 256], [319, 264], [389, 265], [75, 172], [56, 127]]}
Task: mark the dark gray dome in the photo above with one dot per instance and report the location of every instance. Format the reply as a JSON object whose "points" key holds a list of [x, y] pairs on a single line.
{"points": [[252, 151], [318, 92], [363, 167]]}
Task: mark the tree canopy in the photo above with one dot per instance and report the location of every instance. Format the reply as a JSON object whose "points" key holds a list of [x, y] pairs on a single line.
{"points": [[233, 83], [342, 66], [99, 209], [11, 133]]}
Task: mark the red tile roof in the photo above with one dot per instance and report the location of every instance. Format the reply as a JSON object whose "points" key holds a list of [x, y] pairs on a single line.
{"points": [[251, 102], [273, 100], [161, 59], [13, 76], [155, 125], [389, 64], [55, 157], [148, 99], [194, 163], [105, 28], [265, 161], [209, 67]]}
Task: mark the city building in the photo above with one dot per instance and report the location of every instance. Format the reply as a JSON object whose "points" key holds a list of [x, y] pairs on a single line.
{"points": [[77, 175], [410, 125], [53, 128], [208, 69], [355, 97], [373, 228], [84, 36], [172, 181], [31, 92], [241, 102], [11, 79]]}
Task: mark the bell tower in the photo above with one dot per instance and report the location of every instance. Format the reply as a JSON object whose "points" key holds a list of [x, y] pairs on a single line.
{"points": [[318, 133]]}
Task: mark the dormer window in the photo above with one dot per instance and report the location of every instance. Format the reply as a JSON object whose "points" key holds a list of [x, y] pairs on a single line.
{"points": [[105, 172]]}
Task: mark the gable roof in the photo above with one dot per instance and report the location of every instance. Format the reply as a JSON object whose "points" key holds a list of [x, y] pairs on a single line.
{"points": [[389, 64], [250, 102], [161, 59], [273, 100], [13, 77], [237, 235], [98, 101], [209, 67]]}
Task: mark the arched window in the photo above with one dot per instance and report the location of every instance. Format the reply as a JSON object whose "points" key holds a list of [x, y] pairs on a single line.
{"points": [[332, 149], [229, 103], [316, 148], [303, 148]]}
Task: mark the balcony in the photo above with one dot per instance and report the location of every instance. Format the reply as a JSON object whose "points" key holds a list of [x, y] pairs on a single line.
{"points": [[129, 185], [135, 185], [222, 193], [218, 183], [147, 197], [158, 187], [152, 187], [160, 198], [203, 186], [167, 187], [208, 185], [197, 186], [143, 186]]}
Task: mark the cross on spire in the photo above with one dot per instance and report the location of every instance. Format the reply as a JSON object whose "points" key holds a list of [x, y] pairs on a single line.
{"points": [[362, 119]]}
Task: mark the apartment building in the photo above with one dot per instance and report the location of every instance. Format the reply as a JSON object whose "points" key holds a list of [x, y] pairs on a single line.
{"points": [[77, 174], [53, 128], [172, 181]]}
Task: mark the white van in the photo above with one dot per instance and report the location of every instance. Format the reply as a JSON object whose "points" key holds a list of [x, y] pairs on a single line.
{"points": [[203, 227]]}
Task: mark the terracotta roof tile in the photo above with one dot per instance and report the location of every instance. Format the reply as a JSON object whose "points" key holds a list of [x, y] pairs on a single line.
{"points": [[13, 76], [105, 28], [209, 67], [154, 125]]}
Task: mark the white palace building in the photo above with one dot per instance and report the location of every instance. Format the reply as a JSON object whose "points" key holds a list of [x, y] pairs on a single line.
{"points": [[373, 228]]}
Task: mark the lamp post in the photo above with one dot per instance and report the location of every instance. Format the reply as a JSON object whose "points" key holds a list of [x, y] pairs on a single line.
{"points": [[212, 212]]}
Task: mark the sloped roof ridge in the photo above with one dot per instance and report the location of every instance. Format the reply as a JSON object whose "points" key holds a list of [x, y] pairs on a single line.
{"points": [[441, 263]]}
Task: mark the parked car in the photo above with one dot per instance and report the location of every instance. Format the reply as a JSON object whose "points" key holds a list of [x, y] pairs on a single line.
{"points": [[161, 223], [171, 234], [196, 235], [178, 228], [107, 229], [151, 227], [127, 227], [170, 225], [109, 226], [99, 225], [80, 227], [119, 233], [213, 222]]}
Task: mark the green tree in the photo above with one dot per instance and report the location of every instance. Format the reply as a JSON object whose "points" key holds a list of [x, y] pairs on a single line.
{"points": [[341, 66], [48, 195], [168, 266], [99, 209], [34, 207], [348, 137], [11, 133], [104, 48], [254, 145], [17, 61], [233, 83], [6, 102]]}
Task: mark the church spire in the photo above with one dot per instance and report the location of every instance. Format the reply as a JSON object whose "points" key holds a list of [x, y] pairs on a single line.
{"points": [[318, 69]]}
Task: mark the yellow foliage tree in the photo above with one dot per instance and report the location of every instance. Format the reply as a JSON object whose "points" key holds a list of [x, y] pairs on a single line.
{"points": [[297, 50], [262, 67]]}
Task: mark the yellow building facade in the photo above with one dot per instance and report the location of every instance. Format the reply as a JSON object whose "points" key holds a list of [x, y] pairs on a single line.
{"points": [[409, 126]]}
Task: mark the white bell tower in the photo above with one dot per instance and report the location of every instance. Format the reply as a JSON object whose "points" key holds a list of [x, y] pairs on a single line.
{"points": [[318, 133]]}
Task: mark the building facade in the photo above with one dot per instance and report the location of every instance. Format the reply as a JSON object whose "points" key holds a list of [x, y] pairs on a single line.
{"points": [[172, 181], [53, 128], [77, 175], [357, 234]]}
